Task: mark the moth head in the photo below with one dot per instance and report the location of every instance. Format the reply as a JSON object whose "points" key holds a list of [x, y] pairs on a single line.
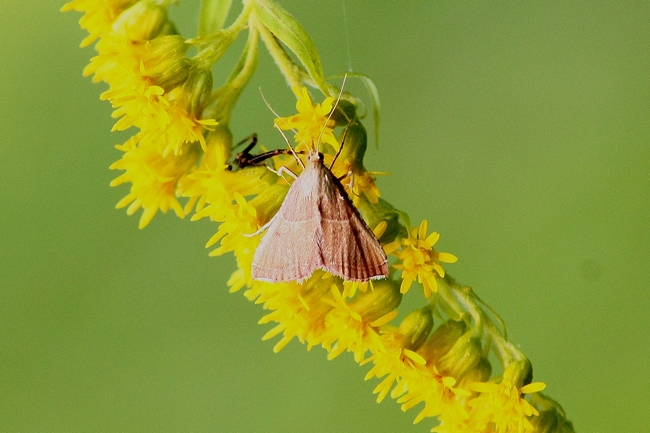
{"points": [[314, 155]]}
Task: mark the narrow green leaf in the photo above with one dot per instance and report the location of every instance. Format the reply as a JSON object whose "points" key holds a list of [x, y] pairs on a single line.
{"points": [[290, 32], [374, 97], [213, 15]]}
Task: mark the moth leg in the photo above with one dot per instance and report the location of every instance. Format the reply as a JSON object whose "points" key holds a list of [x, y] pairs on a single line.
{"points": [[350, 185], [349, 174], [282, 170]]}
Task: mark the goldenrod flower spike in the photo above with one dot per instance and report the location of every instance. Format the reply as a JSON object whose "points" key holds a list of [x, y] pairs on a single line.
{"points": [[181, 149]]}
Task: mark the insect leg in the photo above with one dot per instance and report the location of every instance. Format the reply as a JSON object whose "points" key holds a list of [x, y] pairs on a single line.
{"points": [[284, 170]]}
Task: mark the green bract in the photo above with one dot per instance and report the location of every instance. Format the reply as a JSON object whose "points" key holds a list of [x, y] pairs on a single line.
{"points": [[213, 15], [290, 32]]}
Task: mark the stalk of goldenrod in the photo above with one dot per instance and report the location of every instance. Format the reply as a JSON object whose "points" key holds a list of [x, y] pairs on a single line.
{"points": [[436, 357]]}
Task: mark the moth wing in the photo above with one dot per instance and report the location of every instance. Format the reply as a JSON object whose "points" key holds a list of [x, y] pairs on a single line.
{"points": [[349, 249], [290, 249], [362, 260]]}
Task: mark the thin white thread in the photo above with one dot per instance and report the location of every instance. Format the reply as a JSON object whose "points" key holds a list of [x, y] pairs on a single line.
{"points": [[347, 37]]}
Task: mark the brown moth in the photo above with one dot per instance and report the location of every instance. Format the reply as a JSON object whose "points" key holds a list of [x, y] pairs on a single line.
{"points": [[318, 227]]}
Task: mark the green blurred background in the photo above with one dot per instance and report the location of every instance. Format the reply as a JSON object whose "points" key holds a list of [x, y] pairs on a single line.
{"points": [[519, 130]]}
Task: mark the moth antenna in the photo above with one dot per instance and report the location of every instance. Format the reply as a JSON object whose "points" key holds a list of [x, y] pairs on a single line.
{"points": [[278, 116], [336, 104], [267, 103], [345, 134], [293, 152]]}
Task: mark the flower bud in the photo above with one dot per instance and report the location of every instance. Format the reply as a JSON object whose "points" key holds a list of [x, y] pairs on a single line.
{"points": [[519, 373], [346, 109], [197, 90], [374, 213], [218, 147], [164, 61], [480, 373], [416, 327], [141, 22], [269, 200], [172, 46], [442, 340], [463, 356], [354, 148], [381, 300], [551, 421], [170, 73], [167, 29]]}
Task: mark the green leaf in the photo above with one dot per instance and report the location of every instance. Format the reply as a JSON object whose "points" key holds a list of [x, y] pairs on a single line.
{"points": [[213, 15], [374, 97], [290, 32]]}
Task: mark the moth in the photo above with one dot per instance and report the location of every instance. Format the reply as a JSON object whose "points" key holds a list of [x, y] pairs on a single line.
{"points": [[318, 227]]}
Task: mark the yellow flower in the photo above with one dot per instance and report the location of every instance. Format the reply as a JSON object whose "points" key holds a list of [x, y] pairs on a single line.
{"points": [[354, 326], [99, 15], [212, 187], [439, 393], [418, 258], [395, 361], [350, 162], [137, 104], [311, 121], [299, 309], [157, 93], [153, 86], [153, 179], [143, 21], [503, 404], [175, 128], [237, 222], [359, 181], [452, 423]]}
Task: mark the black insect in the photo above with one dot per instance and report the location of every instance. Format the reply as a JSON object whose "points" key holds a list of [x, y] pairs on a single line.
{"points": [[246, 159]]}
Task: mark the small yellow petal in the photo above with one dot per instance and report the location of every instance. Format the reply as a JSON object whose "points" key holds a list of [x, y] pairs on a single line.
{"points": [[423, 230], [439, 270], [415, 357], [406, 285], [384, 319], [484, 387], [448, 381], [447, 258], [391, 247], [433, 239], [532, 387], [380, 229]]}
